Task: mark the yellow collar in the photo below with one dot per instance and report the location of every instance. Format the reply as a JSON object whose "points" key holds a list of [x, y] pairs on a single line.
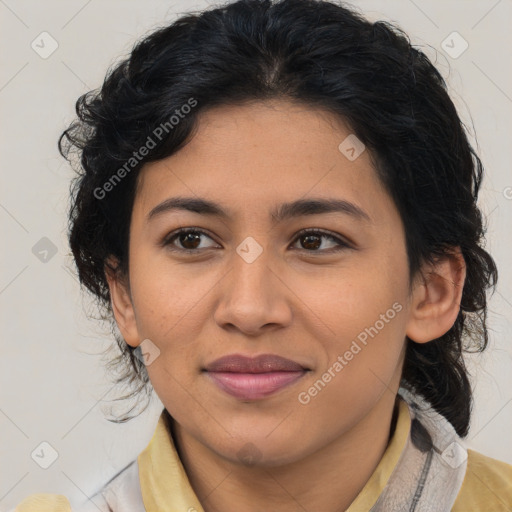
{"points": [[165, 485], [371, 491]]}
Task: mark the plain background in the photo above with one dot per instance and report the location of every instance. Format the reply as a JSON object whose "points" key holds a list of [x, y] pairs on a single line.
{"points": [[53, 386]]}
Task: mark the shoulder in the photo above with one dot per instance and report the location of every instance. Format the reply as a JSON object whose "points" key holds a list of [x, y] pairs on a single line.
{"points": [[44, 503], [120, 494], [487, 485]]}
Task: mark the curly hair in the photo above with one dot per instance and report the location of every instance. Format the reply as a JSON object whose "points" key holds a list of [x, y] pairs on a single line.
{"points": [[320, 54]]}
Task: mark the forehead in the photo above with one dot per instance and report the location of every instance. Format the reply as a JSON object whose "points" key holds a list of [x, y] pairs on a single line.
{"points": [[261, 154]]}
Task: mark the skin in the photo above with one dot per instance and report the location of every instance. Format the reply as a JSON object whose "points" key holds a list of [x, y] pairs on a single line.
{"points": [[295, 300]]}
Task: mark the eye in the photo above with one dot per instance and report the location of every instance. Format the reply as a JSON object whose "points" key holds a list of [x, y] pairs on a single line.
{"points": [[312, 241], [188, 238]]}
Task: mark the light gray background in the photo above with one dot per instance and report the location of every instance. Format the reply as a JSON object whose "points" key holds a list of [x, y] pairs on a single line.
{"points": [[52, 388]]}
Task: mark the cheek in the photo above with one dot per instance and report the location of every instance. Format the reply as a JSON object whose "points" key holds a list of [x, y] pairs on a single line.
{"points": [[363, 362], [165, 293], [172, 307], [366, 296], [367, 315]]}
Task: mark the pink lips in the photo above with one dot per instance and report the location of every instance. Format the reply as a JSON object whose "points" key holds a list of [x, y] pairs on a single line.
{"points": [[253, 378]]}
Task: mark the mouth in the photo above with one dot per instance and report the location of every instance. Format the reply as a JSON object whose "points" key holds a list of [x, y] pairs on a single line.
{"points": [[253, 378]]}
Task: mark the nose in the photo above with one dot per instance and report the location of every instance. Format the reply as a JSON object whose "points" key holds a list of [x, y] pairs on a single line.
{"points": [[253, 298]]}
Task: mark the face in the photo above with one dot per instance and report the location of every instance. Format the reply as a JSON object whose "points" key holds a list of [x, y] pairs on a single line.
{"points": [[326, 290]]}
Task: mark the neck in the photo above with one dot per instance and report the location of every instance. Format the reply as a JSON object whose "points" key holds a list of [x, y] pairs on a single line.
{"points": [[328, 480]]}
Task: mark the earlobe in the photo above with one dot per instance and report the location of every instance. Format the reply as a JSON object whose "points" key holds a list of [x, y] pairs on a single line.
{"points": [[436, 298], [121, 301]]}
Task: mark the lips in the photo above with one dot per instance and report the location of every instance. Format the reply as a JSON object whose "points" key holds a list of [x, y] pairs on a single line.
{"points": [[261, 364], [253, 378]]}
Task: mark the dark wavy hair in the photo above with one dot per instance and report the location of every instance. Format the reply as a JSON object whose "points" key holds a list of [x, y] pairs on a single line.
{"points": [[316, 53]]}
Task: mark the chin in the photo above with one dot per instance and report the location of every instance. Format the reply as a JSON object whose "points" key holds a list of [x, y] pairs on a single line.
{"points": [[262, 452]]}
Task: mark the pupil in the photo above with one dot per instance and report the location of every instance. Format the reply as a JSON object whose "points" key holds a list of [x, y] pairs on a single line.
{"points": [[187, 237], [309, 239]]}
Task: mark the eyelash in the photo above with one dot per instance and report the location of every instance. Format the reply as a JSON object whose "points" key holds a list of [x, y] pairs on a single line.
{"points": [[342, 245]]}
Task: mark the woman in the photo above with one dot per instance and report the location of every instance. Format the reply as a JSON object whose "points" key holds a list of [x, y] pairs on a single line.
{"points": [[277, 203]]}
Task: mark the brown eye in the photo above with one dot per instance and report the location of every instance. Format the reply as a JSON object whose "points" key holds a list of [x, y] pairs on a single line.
{"points": [[189, 240], [311, 241], [186, 240]]}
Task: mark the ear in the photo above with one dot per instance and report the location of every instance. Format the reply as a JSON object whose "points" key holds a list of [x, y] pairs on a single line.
{"points": [[121, 301], [436, 297]]}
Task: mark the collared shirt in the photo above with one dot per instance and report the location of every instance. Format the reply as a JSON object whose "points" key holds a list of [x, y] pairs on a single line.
{"points": [[164, 485]]}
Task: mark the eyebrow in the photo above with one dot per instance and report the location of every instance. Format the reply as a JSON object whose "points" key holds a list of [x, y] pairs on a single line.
{"points": [[284, 211]]}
